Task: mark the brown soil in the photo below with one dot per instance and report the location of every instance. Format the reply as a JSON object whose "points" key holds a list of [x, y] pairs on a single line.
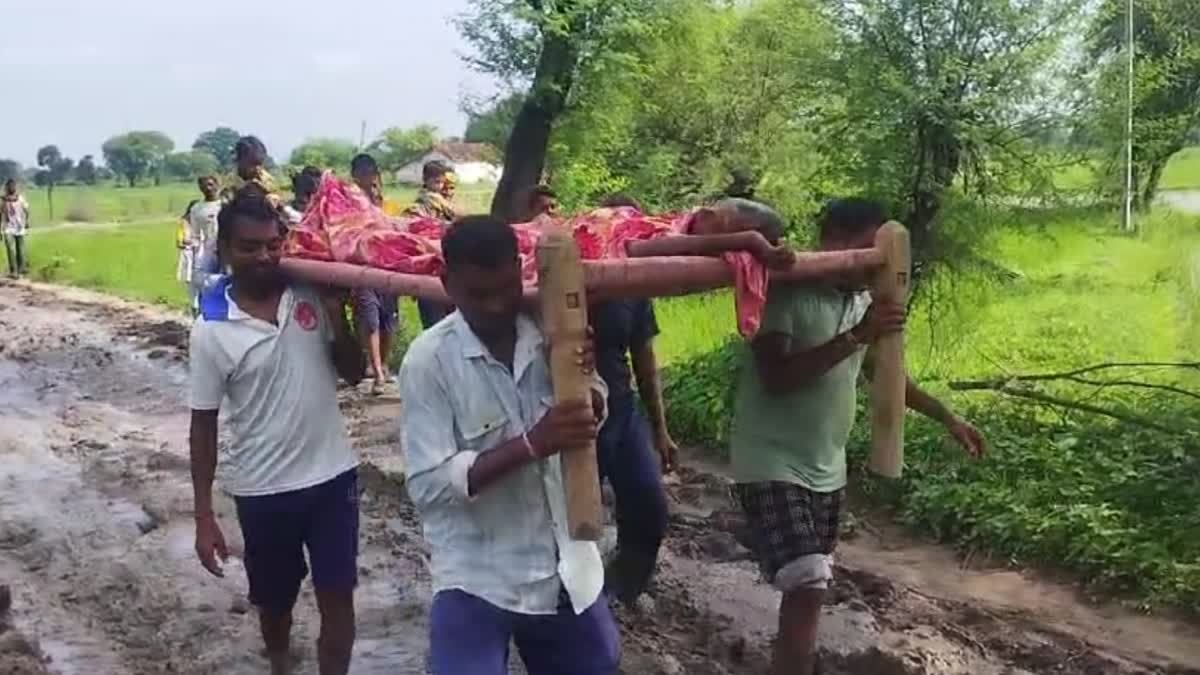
{"points": [[96, 546]]}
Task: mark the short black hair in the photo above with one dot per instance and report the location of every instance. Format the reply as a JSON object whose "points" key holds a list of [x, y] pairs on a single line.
{"points": [[482, 241], [541, 191], [766, 220], [307, 181], [851, 216], [363, 162], [249, 145], [620, 199], [434, 168], [250, 202]]}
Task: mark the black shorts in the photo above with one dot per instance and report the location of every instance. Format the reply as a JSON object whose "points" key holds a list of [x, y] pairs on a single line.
{"points": [[788, 521]]}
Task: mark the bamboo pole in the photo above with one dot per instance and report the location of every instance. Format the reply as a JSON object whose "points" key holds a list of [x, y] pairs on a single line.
{"points": [[605, 279], [889, 379], [565, 325]]}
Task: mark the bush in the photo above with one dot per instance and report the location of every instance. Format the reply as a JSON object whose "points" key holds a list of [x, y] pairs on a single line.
{"points": [[82, 209], [699, 392]]}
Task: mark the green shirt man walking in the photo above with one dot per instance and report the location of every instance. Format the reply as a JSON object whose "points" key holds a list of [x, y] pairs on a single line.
{"points": [[795, 408]]}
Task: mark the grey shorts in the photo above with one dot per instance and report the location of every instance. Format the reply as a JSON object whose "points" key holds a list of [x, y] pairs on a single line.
{"points": [[374, 312]]}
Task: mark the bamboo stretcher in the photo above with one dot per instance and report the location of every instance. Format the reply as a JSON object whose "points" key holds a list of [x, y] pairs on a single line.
{"points": [[568, 284]]}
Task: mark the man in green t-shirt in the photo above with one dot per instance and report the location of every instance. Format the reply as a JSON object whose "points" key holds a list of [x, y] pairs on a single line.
{"points": [[795, 407]]}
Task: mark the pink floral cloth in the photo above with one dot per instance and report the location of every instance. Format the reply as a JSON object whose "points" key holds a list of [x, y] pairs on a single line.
{"points": [[341, 224]]}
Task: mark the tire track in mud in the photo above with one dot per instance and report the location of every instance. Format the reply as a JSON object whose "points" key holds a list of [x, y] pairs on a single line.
{"points": [[96, 541]]}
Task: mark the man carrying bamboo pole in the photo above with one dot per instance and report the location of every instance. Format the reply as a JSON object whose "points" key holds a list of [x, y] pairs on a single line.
{"points": [[480, 433], [794, 411]]}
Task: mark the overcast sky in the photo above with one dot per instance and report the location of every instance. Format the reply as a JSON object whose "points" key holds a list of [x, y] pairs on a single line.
{"points": [[75, 72]]}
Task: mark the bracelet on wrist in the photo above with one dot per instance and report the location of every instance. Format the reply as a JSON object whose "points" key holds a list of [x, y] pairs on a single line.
{"points": [[529, 447]]}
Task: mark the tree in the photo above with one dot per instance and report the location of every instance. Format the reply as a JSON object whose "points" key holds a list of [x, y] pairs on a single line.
{"points": [[396, 147], [54, 169], [137, 154], [546, 44], [219, 143], [85, 170], [492, 123], [324, 153], [1166, 86], [190, 165], [938, 95], [707, 91], [9, 168]]}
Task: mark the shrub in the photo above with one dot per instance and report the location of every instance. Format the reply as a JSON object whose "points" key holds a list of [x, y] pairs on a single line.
{"points": [[82, 209], [698, 394]]}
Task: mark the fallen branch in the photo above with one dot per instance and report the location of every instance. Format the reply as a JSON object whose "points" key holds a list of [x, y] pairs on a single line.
{"points": [[1193, 365], [1019, 392]]}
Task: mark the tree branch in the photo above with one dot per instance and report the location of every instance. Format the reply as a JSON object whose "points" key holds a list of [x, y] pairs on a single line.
{"points": [[1018, 392]]}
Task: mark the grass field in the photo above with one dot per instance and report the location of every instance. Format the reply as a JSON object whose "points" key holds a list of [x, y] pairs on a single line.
{"points": [[1183, 171], [120, 204]]}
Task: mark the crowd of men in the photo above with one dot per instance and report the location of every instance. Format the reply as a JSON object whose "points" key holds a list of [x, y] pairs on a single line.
{"points": [[481, 434]]}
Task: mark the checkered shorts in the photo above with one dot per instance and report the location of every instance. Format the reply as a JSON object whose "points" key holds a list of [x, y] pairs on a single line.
{"points": [[787, 521]]}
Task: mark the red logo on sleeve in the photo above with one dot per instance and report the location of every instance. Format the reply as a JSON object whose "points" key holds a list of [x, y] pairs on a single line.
{"points": [[305, 316]]}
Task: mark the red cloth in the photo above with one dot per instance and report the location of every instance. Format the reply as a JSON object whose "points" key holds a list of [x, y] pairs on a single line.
{"points": [[341, 224]]}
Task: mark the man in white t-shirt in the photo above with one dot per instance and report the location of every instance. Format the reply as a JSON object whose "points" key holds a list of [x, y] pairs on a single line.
{"points": [[269, 354], [14, 217]]}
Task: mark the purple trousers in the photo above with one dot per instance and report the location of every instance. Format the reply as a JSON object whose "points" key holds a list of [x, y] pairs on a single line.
{"points": [[470, 636]]}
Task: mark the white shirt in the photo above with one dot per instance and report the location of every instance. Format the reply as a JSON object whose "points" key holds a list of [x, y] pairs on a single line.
{"points": [[278, 386], [509, 544], [14, 213]]}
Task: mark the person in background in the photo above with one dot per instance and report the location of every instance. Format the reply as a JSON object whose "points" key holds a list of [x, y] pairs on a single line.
{"points": [[250, 160], [304, 186], [450, 186], [14, 219], [269, 353], [364, 171], [480, 436], [542, 202], [434, 198], [794, 409], [376, 314], [632, 453], [434, 202], [200, 232]]}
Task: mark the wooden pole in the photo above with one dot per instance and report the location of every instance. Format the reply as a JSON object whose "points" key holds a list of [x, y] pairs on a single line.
{"points": [[565, 324], [627, 278], [887, 388]]}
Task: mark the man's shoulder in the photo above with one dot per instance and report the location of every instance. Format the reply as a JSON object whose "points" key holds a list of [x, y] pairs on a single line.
{"points": [[423, 352]]}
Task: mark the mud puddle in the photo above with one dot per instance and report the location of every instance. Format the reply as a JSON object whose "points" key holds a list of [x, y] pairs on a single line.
{"points": [[96, 544]]}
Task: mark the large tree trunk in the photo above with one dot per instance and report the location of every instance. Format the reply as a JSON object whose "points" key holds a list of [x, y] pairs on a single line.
{"points": [[525, 153]]}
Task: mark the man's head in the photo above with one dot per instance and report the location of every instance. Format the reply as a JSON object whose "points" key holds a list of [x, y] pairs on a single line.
{"points": [[433, 174], [305, 183], [250, 155], [620, 200], [483, 274], [250, 239], [738, 215], [847, 224], [365, 172], [10, 186], [542, 201], [209, 186], [850, 223]]}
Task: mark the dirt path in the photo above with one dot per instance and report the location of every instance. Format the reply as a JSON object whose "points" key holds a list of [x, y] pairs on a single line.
{"points": [[96, 534]]}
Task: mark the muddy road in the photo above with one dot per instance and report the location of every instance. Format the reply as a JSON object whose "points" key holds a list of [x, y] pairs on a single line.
{"points": [[96, 546]]}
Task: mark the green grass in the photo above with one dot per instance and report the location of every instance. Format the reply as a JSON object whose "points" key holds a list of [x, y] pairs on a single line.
{"points": [[109, 203], [1183, 171]]}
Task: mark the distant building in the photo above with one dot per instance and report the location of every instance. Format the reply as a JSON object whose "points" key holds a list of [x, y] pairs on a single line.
{"points": [[472, 162]]}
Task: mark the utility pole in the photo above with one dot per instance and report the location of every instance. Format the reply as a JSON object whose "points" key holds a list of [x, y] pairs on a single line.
{"points": [[362, 136], [1127, 219]]}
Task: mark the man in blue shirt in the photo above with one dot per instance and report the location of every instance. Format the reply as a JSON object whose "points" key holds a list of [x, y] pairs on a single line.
{"points": [[626, 449]]}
